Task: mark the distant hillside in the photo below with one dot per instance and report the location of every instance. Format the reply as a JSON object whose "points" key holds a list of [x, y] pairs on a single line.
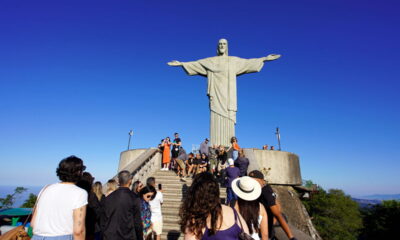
{"points": [[366, 203], [382, 197]]}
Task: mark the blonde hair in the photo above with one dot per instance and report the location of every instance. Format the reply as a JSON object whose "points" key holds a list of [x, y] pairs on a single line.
{"points": [[241, 153], [98, 190], [111, 186]]}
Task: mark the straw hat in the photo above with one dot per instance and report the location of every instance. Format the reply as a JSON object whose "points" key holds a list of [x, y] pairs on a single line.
{"points": [[246, 188]]}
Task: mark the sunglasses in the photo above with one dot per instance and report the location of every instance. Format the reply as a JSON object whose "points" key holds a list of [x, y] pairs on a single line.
{"points": [[148, 196]]}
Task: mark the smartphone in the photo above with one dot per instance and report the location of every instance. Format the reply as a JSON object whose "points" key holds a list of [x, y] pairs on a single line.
{"points": [[159, 186]]}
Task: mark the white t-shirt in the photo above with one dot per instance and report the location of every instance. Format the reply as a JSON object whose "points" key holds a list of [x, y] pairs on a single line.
{"points": [[55, 207], [155, 207]]}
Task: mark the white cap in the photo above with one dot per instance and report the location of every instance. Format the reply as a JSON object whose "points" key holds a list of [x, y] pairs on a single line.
{"points": [[230, 162]]}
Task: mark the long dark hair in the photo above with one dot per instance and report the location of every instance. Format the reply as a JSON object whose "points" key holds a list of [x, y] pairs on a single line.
{"points": [[202, 201], [146, 189], [250, 210]]}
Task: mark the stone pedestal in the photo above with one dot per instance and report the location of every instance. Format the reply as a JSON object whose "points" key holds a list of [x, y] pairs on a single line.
{"points": [[279, 167], [129, 156]]}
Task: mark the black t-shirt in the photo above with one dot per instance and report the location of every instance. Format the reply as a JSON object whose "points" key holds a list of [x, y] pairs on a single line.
{"points": [[175, 149], [222, 158], [267, 198], [190, 161], [197, 161], [204, 161]]}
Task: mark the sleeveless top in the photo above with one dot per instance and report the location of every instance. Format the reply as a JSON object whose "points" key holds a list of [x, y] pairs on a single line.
{"points": [[255, 235], [231, 233]]}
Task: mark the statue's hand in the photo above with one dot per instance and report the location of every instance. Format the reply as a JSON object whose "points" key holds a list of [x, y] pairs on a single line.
{"points": [[272, 57], [174, 63]]}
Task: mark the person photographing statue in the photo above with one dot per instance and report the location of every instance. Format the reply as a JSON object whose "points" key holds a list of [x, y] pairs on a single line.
{"points": [[221, 72]]}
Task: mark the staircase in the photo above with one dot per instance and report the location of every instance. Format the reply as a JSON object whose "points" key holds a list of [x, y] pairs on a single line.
{"points": [[174, 191]]}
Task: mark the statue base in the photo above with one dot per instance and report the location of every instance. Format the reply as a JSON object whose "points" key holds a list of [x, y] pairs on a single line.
{"points": [[279, 167]]}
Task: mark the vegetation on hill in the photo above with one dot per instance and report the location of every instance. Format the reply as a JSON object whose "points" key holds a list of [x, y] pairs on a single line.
{"points": [[335, 215], [9, 200], [381, 221], [30, 201]]}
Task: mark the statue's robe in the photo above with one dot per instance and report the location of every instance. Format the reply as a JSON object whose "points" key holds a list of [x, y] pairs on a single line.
{"points": [[221, 72]]}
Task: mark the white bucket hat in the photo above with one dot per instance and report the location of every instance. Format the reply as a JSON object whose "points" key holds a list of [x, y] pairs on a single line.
{"points": [[246, 188]]}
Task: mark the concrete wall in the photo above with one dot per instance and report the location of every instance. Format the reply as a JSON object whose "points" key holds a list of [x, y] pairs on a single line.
{"points": [[279, 167], [128, 156]]}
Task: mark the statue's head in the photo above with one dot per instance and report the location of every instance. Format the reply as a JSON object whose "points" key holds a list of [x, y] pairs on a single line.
{"points": [[222, 48]]}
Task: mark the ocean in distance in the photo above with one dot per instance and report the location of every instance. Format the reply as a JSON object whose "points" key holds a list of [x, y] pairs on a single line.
{"points": [[20, 198]]}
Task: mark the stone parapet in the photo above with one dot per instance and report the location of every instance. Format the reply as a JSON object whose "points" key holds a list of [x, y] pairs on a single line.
{"points": [[279, 167]]}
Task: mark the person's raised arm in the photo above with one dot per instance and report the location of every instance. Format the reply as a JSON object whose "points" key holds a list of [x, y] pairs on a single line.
{"points": [[79, 230], [278, 215], [264, 223], [271, 57], [175, 63]]}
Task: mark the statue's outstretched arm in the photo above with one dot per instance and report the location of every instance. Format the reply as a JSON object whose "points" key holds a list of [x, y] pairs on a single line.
{"points": [[175, 63], [272, 57]]}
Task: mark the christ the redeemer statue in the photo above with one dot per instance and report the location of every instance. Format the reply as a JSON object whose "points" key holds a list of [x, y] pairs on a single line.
{"points": [[221, 72]]}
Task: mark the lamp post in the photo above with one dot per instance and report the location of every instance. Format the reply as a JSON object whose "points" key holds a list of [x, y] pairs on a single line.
{"points": [[278, 135], [130, 135]]}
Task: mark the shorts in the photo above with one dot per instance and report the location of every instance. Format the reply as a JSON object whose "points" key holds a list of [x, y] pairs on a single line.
{"points": [[157, 227], [63, 237], [180, 162]]}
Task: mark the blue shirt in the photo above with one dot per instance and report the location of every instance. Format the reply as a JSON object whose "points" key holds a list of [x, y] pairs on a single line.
{"points": [[231, 174]]}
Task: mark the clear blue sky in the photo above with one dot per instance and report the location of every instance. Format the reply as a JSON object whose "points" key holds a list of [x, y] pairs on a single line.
{"points": [[76, 76]]}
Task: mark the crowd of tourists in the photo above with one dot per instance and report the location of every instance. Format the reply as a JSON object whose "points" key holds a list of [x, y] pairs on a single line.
{"points": [[265, 147], [208, 158], [76, 208]]}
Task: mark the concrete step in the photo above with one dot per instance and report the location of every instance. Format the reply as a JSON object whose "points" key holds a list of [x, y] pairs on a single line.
{"points": [[171, 220], [172, 211], [174, 192], [171, 205], [171, 226]]}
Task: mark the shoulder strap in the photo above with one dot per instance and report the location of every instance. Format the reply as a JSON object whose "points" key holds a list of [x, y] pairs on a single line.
{"points": [[35, 206], [237, 217]]}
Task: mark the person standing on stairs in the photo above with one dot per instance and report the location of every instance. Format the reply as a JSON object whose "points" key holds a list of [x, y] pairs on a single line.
{"points": [[120, 218], [234, 148], [146, 194], [176, 145], [232, 173], [155, 207], [166, 158], [204, 148], [242, 163], [181, 162]]}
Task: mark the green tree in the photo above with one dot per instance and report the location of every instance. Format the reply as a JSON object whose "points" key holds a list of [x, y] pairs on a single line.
{"points": [[30, 202], [9, 200], [381, 221], [335, 215]]}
